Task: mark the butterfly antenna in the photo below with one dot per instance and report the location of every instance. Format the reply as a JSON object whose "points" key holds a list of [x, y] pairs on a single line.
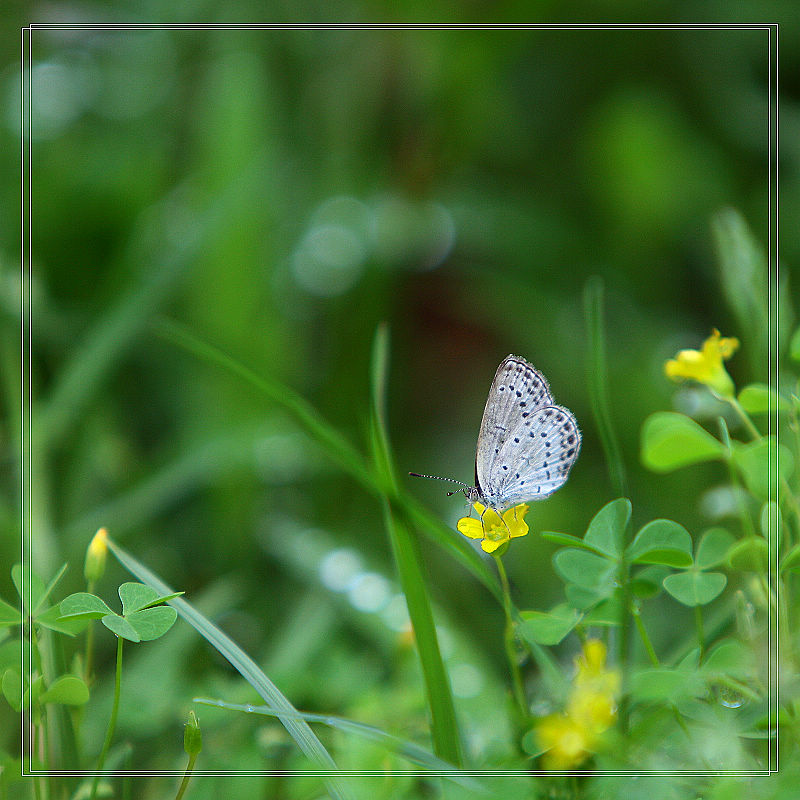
{"points": [[438, 478]]}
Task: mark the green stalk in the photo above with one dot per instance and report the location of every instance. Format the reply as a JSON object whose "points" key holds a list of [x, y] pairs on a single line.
{"points": [[624, 639], [744, 515], [511, 653], [87, 661], [701, 639], [408, 559], [37, 781], [187, 774], [756, 436], [597, 380], [112, 723], [648, 645]]}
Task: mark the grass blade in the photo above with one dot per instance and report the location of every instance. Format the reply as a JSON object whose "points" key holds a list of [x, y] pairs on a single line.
{"points": [[401, 747], [298, 729], [598, 384], [408, 557]]}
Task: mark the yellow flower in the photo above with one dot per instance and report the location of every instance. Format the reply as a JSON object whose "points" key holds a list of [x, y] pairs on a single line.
{"points": [[566, 742], [95, 564], [570, 738], [493, 529], [705, 366]]}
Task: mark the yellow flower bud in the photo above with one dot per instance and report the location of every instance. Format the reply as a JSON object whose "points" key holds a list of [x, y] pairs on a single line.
{"points": [[95, 564]]}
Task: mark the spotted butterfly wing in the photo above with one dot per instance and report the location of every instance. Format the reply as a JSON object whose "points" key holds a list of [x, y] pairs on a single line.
{"points": [[526, 444]]}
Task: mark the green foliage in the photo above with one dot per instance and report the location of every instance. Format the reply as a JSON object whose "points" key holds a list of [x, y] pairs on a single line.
{"points": [[549, 627], [143, 618], [671, 441], [695, 586]]}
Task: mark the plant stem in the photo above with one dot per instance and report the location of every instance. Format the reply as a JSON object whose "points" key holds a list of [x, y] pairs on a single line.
{"points": [[623, 644], [186, 775], [648, 645], [112, 723], [701, 639], [37, 781], [756, 434], [87, 661], [511, 653]]}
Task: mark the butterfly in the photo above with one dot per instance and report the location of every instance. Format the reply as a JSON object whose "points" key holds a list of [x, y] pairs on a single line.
{"points": [[526, 445]]}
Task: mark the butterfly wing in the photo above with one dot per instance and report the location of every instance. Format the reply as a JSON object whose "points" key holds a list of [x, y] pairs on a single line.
{"points": [[536, 457], [518, 392]]}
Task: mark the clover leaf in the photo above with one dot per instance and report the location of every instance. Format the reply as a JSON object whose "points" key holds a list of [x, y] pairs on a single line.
{"points": [[695, 586], [143, 617]]}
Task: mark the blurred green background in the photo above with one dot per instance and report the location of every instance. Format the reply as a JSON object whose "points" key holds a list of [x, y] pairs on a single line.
{"points": [[281, 192]]}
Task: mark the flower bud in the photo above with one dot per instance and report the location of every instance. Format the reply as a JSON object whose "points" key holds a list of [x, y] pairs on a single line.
{"points": [[95, 564]]}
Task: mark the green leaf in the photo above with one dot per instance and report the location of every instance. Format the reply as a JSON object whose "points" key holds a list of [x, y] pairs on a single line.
{"points": [[694, 588], [192, 736], [400, 747], [83, 604], [749, 555], [791, 561], [135, 596], [608, 613], [121, 627], [567, 540], [658, 684], [713, 548], [744, 278], [729, 658], [150, 623], [548, 627], [52, 585], [31, 592], [794, 345], [9, 615], [662, 541], [409, 562], [33, 692], [691, 661], [12, 688], [648, 582], [758, 398], [756, 462], [53, 620], [68, 690], [671, 440], [606, 531], [582, 598], [598, 382], [585, 569], [530, 744]]}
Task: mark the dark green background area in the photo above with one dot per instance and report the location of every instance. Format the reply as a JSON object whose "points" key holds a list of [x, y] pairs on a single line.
{"points": [[280, 193]]}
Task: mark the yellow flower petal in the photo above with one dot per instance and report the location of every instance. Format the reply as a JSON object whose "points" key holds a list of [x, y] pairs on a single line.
{"points": [[493, 529], [470, 527], [706, 366], [514, 519], [490, 545], [567, 743]]}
